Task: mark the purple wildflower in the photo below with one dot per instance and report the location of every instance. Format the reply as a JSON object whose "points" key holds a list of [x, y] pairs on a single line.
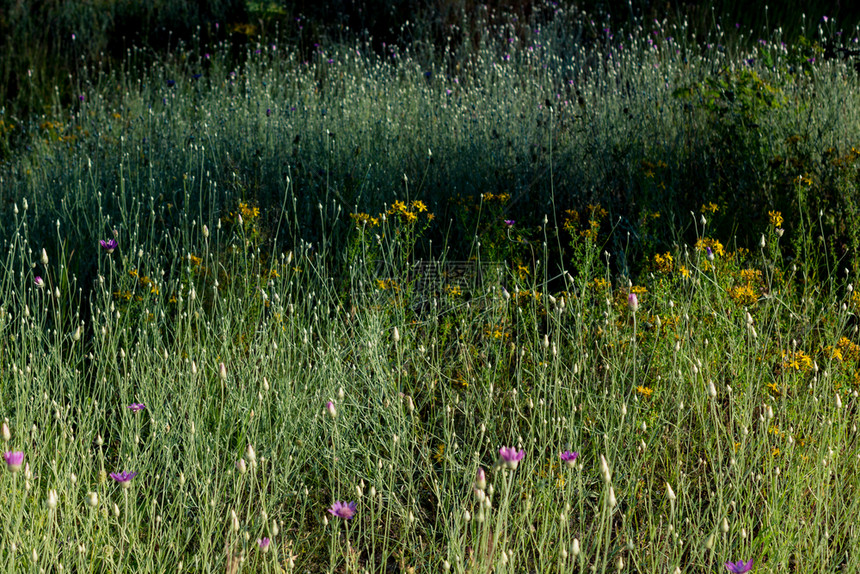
{"points": [[510, 222], [14, 460], [263, 543], [569, 458], [739, 567], [40, 283], [108, 245], [511, 457], [134, 407], [345, 510], [124, 477]]}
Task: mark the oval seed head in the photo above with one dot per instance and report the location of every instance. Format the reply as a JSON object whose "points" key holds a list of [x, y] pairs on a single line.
{"points": [[44, 257], [669, 492]]}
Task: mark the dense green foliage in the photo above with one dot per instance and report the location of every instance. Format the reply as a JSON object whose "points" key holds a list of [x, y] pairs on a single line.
{"points": [[341, 274]]}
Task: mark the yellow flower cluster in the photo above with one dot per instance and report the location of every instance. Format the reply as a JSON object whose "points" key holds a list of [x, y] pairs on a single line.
{"points": [[144, 281], [387, 284], [249, 213], [704, 242], [645, 391], [664, 263], [710, 208], [798, 360], [846, 350], [498, 197], [364, 220], [407, 213], [775, 218], [744, 295]]}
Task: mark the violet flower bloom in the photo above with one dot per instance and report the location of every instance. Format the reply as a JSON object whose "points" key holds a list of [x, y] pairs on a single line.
{"points": [[263, 543], [40, 283], [569, 458], [124, 477], [345, 510], [511, 457], [134, 407], [510, 222], [14, 460], [108, 245], [739, 567], [710, 253]]}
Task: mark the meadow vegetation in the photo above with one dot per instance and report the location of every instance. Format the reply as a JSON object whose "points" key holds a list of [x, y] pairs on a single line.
{"points": [[562, 298]]}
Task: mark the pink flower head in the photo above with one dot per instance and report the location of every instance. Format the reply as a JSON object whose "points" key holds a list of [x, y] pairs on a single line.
{"points": [[124, 477], [481, 479], [108, 245], [14, 460], [633, 302], [263, 543], [345, 510], [569, 458], [739, 567], [510, 456], [39, 282], [509, 222], [134, 407]]}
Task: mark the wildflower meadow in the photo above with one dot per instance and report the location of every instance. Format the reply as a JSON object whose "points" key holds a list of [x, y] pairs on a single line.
{"points": [[562, 294]]}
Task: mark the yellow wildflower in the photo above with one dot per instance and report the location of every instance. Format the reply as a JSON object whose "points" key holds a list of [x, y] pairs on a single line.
{"points": [[775, 218], [664, 262]]}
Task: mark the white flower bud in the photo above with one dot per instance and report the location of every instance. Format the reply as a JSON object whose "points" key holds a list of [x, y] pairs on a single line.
{"points": [[52, 499]]}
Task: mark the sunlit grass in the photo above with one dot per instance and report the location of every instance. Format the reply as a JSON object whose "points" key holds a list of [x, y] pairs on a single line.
{"points": [[230, 340]]}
